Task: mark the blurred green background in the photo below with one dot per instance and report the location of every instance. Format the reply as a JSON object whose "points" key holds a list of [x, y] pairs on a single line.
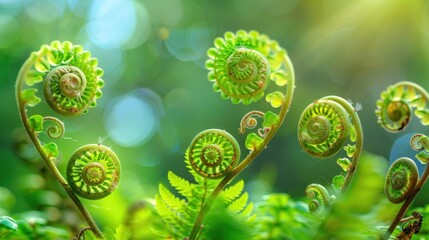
{"points": [[157, 96]]}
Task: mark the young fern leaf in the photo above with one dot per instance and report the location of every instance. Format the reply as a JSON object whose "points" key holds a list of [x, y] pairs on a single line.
{"points": [[239, 203], [71, 84], [323, 129], [232, 192], [183, 186], [241, 65]]}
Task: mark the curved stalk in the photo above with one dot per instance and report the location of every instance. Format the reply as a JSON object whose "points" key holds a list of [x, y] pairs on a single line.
{"points": [[359, 139], [49, 161], [252, 155]]}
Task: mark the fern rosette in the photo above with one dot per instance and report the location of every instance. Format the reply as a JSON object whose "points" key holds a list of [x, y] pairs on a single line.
{"points": [[213, 153], [72, 80], [401, 179], [323, 128], [242, 64], [394, 109], [93, 171]]}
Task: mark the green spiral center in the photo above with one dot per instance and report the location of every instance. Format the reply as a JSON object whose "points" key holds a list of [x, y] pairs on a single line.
{"points": [[323, 128], [395, 115], [318, 129], [94, 174], [397, 110], [93, 171], [71, 85], [247, 65], [70, 80], [212, 155], [399, 179]]}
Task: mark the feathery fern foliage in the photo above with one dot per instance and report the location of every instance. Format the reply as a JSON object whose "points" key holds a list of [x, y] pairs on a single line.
{"points": [[180, 212]]}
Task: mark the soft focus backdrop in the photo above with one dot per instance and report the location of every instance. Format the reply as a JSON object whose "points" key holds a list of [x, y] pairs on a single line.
{"points": [[157, 96]]}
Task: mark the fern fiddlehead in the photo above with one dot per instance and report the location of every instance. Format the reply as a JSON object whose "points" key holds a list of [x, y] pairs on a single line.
{"points": [[71, 84], [320, 198], [401, 179], [323, 129], [394, 113], [241, 65], [93, 171], [213, 153]]}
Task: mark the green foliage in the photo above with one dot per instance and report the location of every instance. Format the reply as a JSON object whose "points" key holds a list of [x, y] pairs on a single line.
{"points": [[30, 228], [36, 123], [275, 99], [361, 212], [253, 141], [179, 213], [270, 119], [278, 216], [29, 97], [50, 149]]}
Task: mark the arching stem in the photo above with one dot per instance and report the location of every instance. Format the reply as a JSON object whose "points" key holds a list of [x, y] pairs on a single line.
{"points": [[252, 155], [407, 203], [359, 139], [49, 161]]}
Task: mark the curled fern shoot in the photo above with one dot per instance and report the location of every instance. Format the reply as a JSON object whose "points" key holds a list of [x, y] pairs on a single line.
{"points": [[401, 179], [323, 130], [394, 109], [241, 65], [213, 153], [71, 82], [249, 121], [93, 171], [403, 182], [320, 198], [394, 113]]}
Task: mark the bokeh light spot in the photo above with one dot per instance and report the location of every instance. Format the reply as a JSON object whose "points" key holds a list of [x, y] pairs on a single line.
{"points": [[45, 10], [133, 119], [12, 7], [79, 7], [111, 23], [188, 44], [141, 34], [112, 61]]}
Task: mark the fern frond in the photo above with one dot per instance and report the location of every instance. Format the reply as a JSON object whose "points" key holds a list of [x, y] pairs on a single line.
{"points": [[122, 233], [247, 211], [183, 186], [169, 199], [179, 215], [174, 222], [239, 204], [232, 192]]}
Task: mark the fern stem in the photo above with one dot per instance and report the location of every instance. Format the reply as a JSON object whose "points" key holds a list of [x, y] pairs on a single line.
{"points": [[359, 139], [47, 159], [252, 155]]}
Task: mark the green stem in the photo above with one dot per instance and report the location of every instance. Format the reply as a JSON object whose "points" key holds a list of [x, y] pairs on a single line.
{"points": [[49, 161], [252, 155], [407, 203], [359, 139]]}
